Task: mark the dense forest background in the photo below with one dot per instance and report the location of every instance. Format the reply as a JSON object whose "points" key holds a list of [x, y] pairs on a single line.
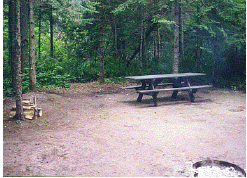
{"points": [[83, 40]]}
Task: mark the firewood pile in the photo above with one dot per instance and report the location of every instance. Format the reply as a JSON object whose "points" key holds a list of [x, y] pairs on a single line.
{"points": [[30, 109]]}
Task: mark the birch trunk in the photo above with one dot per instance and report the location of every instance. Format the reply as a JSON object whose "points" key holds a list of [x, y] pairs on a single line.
{"points": [[175, 65], [32, 81]]}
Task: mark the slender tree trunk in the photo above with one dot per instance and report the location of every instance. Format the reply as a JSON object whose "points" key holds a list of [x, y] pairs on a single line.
{"points": [[181, 34], [32, 81], [51, 32], [214, 60], [102, 72], [198, 42], [118, 60], [141, 45], [39, 42], [11, 22], [175, 66], [137, 50], [24, 32], [16, 54], [154, 48], [143, 41], [115, 38], [158, 44], [157, 37], [157, 48]]}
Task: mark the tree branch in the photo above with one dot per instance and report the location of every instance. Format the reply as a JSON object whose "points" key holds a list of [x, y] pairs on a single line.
{"points": [[151, 28]]}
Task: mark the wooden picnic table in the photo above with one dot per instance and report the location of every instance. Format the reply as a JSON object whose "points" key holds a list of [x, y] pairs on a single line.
{"points": [[179, 82]]}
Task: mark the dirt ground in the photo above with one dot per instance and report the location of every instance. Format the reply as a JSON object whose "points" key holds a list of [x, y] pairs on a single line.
{"points": [[96, 129]]}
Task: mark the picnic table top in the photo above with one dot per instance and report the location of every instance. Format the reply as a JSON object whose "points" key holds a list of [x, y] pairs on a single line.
{"points": [[160, 76]]}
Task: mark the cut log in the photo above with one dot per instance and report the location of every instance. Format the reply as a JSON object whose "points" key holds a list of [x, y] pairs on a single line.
{"points": [[25, 107], [40, 112], [29, 114], [30, 109], [34, 100], [26, 102], [32, 106], [12, 114]]}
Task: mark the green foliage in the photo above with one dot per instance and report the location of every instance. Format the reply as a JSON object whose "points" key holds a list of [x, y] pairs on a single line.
{"points": [[7, 87], [114, 67], [83, 71], [214, 41]]}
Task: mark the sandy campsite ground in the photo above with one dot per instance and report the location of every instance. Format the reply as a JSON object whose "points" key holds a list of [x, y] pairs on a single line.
{"points": [[100, 130]]}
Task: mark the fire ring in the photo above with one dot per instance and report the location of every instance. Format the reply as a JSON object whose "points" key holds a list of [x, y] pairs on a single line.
{"points": [[216, 168]]}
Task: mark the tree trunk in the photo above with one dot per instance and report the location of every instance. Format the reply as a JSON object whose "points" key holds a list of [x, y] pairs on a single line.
{"points": [[143, 40], [181, 34], [115, 38], [118, 60], [16, 54], [137, 50], [175, 66], [158, 45], [157, 38], [24, 32], [11, 21], [141, 45], [102, 72], [32, 81], [39, 41], [157, 49], [198, 42], [51, 32]]}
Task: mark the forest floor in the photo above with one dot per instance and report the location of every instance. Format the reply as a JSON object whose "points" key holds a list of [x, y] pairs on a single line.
{"points": [[97, 129]]}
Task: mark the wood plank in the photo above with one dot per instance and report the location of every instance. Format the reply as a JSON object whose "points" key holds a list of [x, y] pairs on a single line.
{"points": [[162, 76], [164, 84], [139, 86], [173, 89], [26, 101], [131, 87]]}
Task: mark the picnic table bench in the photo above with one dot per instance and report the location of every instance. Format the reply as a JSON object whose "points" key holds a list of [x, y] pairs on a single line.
{"points": [[179, 82]]}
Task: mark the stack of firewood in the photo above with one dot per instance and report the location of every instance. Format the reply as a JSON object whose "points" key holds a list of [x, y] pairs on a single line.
{"points": [[30, 109]]}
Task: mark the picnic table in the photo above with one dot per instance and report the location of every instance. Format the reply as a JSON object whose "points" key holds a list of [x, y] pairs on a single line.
{"points": [[179, 82]]}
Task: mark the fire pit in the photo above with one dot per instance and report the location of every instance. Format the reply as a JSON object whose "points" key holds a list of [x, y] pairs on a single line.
{"points": [[215, 168]]}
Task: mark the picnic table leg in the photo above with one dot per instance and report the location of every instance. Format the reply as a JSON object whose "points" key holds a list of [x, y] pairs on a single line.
{"points": [[155, 98], [174, 94], [192, 98], [156, 82], [152, 84], [191, 91], [139, 99], [176, 84], [144, 83]]}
